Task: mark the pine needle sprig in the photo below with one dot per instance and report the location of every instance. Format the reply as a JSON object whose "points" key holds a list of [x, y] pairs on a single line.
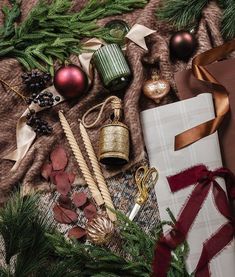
{"points": [[103, 8], [187, 14], [23, 229], [60, 30], [11, 15], [228, 19], [181, 13]]}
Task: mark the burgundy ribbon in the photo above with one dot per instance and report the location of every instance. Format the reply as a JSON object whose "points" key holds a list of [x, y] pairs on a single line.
{"points": [[204, 180]]}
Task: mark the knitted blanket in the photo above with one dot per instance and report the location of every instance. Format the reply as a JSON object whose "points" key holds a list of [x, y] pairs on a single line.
{"points": [[11, 107]]}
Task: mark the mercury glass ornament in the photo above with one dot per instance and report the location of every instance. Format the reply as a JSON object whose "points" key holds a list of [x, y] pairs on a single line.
{"points": [[156, 88], [100, 230]]}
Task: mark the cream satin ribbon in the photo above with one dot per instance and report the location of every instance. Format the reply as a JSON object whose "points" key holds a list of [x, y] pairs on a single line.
{"points": [[25, 135], [138, 33], [85, 58]]}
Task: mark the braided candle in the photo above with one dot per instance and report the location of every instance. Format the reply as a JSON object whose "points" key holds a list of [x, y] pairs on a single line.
{"points": [[97, 172], [80, 160]]}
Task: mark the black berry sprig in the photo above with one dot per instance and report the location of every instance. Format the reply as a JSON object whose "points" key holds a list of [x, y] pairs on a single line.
{"points": [[35, 80], [40, 126], [44, 99]]}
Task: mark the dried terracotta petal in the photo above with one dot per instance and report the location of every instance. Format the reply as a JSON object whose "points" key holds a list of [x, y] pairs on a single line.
{"points": [[63, 215], [77, 232], [71, 176], [59, 158], [46, 170], [62, 183], [79, 199], [90, 211], [65, 201], [53, 174]]}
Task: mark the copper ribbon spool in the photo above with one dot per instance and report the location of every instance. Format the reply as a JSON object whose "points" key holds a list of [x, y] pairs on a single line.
{"points": [[220, 95]]}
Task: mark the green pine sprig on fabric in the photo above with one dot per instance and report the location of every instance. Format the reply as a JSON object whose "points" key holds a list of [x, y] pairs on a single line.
{"points": [[228, 19], [187, 14], [32, 247], [181, 13], [23, 230], [52, 32], [11, 15]]}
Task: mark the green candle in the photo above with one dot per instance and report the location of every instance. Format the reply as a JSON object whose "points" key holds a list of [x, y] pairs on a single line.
{"points": [[112, 67]]}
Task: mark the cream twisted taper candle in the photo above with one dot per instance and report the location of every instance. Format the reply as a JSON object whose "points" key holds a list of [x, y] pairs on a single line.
{"points": [[97, 172], [80, 160]]}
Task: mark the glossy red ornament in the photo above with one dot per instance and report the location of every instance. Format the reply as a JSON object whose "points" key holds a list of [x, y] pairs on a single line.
{"points": [[182, 45], [70, 81]]}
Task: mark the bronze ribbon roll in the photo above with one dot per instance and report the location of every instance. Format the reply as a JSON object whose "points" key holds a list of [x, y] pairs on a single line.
{"points": [[220, 95]]}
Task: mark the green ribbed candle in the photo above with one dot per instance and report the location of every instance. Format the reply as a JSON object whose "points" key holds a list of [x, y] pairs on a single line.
{"points": [[112, 67]]}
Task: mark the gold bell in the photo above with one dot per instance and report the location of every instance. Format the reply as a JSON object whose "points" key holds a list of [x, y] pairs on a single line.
{"points": [[114, 144], [114, 137]]}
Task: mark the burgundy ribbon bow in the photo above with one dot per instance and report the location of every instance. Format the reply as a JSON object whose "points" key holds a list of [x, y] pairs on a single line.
{"points": [[204, 180]]}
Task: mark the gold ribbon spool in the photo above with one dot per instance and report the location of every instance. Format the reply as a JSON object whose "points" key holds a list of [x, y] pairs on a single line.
{"points": [[114, 137]]}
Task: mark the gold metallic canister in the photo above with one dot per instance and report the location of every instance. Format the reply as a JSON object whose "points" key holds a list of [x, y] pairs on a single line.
{"points": [[114, 144]]}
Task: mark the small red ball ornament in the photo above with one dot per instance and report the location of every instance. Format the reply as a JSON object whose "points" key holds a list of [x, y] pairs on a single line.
{"points": [[182, 45], [70, 81]]}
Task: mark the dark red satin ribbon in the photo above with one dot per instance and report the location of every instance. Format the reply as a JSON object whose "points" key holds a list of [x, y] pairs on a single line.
{"points": [[204, 180]]}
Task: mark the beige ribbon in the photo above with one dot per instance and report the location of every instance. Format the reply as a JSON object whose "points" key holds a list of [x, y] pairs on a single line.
{"points": [[138, 33], [25, 135], [85, 58]]}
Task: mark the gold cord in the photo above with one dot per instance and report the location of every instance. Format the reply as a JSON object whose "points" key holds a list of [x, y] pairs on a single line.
{"points": [[116, 105]]}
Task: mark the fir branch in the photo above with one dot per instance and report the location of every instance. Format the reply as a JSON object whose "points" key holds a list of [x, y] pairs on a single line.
{"points": [[100, 9], [181, 13], [187, 13], [228, 19], [23, 228], [11, 15], [60, 30]]}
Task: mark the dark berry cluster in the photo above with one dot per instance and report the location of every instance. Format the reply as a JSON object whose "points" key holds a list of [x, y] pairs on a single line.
{"points": [[36, 80], [38, 125], [44, 99]]}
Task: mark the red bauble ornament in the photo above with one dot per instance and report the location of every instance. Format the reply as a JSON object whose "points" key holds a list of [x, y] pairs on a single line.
{"points": [[70, 81], [182, 45]]}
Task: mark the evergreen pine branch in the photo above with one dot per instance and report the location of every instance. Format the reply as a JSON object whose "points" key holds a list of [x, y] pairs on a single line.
{"points": [[11, 15], [137, 244], [187, 13], [60, 30], [4, 273], [23, 228], [181, 13], [100, 9], [228, 19]]}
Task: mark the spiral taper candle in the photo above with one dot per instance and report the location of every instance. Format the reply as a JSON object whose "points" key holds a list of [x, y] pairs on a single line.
{"points": [[98, 173], [80, 160]]}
